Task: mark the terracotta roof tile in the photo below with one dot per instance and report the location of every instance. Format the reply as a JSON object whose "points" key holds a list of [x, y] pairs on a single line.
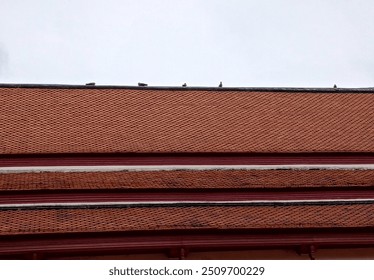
{"points": [[51, 120], [15, 222], [250, 179]]}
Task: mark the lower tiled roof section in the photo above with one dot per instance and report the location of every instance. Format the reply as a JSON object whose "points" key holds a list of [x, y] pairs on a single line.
{"points": [[187, 179], [17, 222]]}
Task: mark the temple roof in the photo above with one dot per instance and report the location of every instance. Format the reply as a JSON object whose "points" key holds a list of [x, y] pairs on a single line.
{"points": [[43, 119]]}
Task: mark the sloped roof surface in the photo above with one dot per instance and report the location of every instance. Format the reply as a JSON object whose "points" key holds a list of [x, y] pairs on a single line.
{"points": [[186, 179], [15, 222], [83, 120]]}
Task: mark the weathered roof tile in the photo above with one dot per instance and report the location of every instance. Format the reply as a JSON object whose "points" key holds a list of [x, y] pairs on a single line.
{"points": [[16, 222], [81, 120], [213, 179]]}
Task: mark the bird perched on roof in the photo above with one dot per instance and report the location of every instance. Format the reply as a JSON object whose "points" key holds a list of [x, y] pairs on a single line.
{"points": [[90, 84], [184, 85], [142, 84], [220, 84], [335, 86]]}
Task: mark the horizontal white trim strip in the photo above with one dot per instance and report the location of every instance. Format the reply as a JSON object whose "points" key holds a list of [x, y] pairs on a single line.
{"points": [[181, 203], [111, 168]]}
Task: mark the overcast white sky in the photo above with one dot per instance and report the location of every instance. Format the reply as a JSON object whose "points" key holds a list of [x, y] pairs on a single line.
{"points": [[307, 43]]}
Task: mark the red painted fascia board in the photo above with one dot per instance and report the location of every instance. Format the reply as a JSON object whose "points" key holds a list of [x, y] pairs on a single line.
{"points": [[184, 159], [19, 197], [154, 241]]}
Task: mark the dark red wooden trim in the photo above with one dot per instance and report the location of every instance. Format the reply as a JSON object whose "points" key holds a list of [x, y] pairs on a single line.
{"points": [[85, 244], [175, 195], [184, 159]]}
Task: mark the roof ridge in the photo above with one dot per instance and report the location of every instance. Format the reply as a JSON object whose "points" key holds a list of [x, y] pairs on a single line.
{"points": [[194, 88]]}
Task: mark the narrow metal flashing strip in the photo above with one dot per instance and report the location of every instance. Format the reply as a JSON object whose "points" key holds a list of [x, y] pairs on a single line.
{"points": [[114, 168], [173, 195], [98, 205]]}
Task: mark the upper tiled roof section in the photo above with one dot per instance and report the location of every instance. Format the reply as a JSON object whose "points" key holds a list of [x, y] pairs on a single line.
{"points": [[109, 120]]}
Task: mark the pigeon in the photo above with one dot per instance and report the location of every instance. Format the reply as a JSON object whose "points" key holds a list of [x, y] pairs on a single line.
{"points": [[184, 85], [335, 86], [220, 84], [142, 84]]}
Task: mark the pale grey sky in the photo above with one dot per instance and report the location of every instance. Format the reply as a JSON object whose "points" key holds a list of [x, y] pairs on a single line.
{"points": [[201, 42]]}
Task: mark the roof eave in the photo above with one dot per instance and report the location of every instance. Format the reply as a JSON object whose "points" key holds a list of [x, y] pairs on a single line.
{"points": [[153, 241]]}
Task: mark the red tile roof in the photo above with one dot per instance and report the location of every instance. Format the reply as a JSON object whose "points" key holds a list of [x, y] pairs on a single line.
{"points": [[228, 179], [81, 120], [16, 222]]}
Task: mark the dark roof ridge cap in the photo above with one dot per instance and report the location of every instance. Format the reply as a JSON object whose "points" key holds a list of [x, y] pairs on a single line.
{"points": [[200, 88]]}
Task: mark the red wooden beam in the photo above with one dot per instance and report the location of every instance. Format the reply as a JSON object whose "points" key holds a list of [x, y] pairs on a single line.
{"points": [[184, 159], [19, 197], [84, 244]]}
